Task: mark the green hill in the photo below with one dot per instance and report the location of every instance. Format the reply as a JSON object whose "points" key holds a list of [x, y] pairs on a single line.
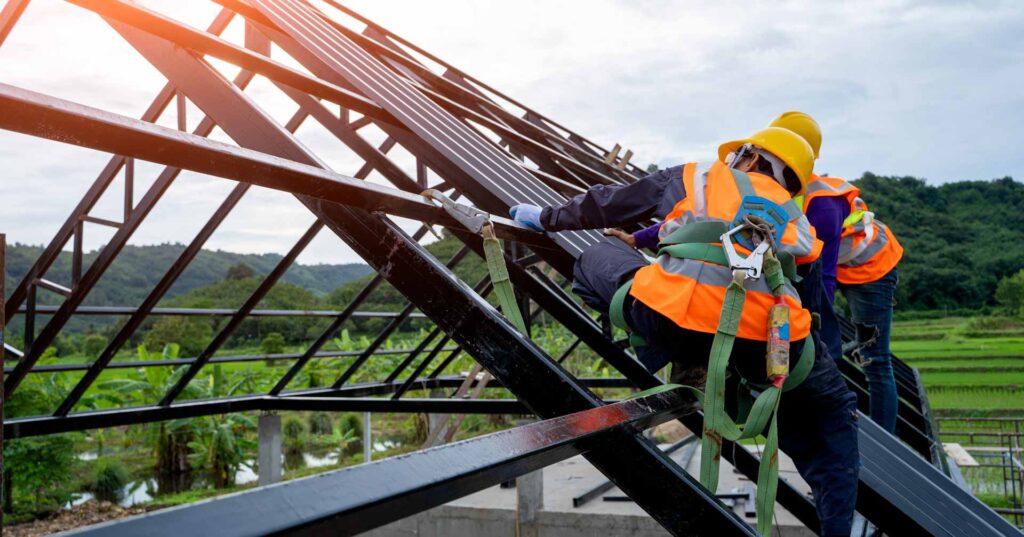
{"points": [[138, 268]]}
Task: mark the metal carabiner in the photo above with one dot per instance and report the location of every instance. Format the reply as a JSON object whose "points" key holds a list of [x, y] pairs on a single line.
{"points": [[471, 218], [753, 264]]}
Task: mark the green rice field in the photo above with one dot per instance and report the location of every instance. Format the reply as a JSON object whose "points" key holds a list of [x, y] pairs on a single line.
{"points": [[969, 366]]}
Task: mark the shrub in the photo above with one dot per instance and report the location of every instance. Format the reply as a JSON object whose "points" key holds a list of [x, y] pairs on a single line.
{"points": [[109, 479], [240, 271], [294, 435], [272, 344], [320, 423], [351, 427], [352, 422]]}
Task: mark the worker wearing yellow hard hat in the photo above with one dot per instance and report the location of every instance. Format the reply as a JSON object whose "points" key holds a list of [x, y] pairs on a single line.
{"points": [[790, 155], [673, 306], [860, 255]]}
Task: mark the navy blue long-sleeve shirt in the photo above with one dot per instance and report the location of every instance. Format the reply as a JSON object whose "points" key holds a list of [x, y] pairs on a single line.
{"points": [[826, 214], [654, 196]]}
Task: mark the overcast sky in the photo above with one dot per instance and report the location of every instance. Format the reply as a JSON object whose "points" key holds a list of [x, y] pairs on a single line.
{"points": [[930, 89]]}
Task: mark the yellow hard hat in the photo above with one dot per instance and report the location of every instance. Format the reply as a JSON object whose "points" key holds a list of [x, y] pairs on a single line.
{"points": [[785, 144], [802, 124]]}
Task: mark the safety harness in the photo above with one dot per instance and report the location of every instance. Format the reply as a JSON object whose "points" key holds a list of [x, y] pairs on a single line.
{"points": [[479, 222], [697, 241]]}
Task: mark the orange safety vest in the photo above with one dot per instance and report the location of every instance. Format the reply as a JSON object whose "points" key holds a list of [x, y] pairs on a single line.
{"points": [[691, 292], [868, 249]]}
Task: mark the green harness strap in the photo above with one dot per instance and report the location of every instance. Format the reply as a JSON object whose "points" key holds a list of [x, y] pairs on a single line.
{"points": [[764, 411], [495, 258]]}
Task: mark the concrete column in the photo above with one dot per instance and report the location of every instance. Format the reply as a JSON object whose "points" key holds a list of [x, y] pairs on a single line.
{"points": [[367, 438], [269, 432], [529, 498], [529, 503]]}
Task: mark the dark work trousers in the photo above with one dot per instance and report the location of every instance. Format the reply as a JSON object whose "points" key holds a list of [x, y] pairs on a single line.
{"points": [[817, 420], [871, 311]]}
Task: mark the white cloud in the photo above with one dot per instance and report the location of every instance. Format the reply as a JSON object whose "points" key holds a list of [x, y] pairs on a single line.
{"points": [[925, 88]]}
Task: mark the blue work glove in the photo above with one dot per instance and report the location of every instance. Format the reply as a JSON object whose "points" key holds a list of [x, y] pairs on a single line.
{"points": [[527, 215]]}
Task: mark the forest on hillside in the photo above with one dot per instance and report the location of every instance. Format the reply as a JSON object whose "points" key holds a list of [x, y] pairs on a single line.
{"points": [[960, 239], [137, 269]]}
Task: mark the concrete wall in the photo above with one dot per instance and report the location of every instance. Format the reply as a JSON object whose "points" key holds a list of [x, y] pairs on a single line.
{"points": [[453, 521]]}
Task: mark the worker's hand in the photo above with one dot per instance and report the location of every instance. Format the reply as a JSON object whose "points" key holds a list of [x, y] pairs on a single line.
{"points": [[527, 215], [627, 238]]}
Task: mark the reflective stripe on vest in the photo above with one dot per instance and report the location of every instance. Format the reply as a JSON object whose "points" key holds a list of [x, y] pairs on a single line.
{"points": [[857, 237], [829, 186], [717, 275], [691, 292], [867, 248]]}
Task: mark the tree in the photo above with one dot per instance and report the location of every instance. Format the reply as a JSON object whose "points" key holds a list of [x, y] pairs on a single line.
{"points": [[272, 344], [192, 334], [94, 345], [1010, 293], [240, 271]]}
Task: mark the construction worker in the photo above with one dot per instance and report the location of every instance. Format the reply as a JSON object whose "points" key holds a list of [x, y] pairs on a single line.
{"points": [[859, 257], [675, 304], [860, 254]]}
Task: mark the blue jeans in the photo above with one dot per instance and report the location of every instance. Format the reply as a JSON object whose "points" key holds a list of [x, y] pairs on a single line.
{"points": [[817, 420], [871, 311]]}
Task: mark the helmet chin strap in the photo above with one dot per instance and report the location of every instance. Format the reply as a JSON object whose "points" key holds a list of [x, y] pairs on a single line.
{"points": [[778, 167]]}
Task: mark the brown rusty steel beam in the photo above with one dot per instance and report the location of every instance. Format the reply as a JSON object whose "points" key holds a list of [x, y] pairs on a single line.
{"points": [[9, 17], [204, 43]]}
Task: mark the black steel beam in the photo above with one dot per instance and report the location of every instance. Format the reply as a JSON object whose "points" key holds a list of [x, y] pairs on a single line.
{"points": [[39, 115], [35, 114], [98, 419], [386, 332], [380, 492], [148, 304], [606, 485], [73, 225], [409, 405], [229, 359], [455, 73], [236, 320]]}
